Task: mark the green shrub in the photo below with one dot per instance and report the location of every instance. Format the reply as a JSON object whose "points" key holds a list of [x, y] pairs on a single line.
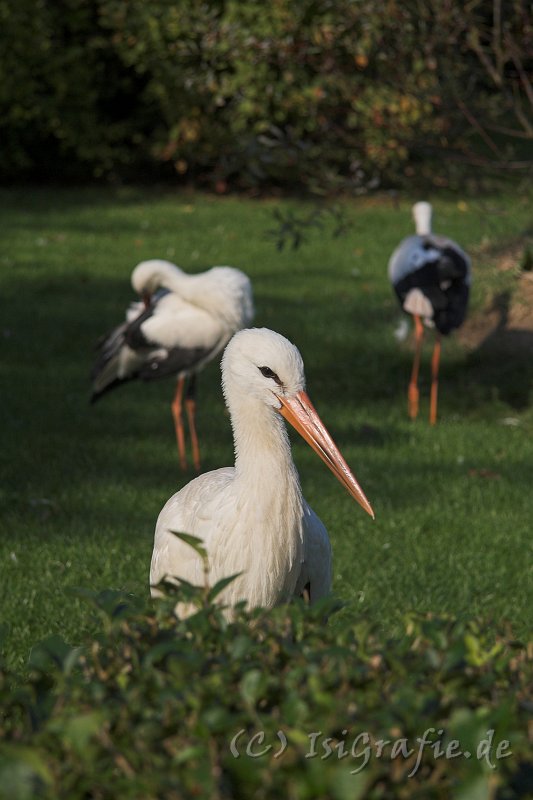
{"points": [[155, 707], [311, 94], [298, 94], [68, 108]]}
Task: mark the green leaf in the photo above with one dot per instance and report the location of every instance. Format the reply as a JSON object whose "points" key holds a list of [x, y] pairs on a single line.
{"points": [[250, 686], [240, 646], [193, 541], [77, 731], [478, 788], [221, 585], [159, 652], [53, 653], [23, 772]]}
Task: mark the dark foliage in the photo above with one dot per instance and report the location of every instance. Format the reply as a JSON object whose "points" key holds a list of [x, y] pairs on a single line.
{"points": [[315, 95]]}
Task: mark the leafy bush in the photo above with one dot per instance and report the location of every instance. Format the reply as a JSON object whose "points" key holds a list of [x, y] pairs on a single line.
{"points": [[299, 93], [68, 108], [155, 707]]}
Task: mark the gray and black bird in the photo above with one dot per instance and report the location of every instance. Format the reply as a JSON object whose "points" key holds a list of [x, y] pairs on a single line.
{"points": [[431, 276]]}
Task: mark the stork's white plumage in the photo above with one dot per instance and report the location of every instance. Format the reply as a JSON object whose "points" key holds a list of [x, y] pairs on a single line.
{"points": [[252, 517], [183, 323]]}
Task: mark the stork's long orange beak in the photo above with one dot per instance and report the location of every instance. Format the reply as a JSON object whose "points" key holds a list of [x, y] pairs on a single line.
{"points": [[300, 412]]}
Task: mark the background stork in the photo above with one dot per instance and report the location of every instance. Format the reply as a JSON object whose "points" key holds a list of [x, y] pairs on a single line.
{"points": [[431, 276], [252, 517], [183, 322]]}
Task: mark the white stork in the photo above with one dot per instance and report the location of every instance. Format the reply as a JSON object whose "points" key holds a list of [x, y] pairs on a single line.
{"points": [[252, 517], [431, 276], [183, 322]]}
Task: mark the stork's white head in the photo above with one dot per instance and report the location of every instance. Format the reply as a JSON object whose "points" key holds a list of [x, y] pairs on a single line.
{"points": [[422, 216], [260, 366], [148, 276]]}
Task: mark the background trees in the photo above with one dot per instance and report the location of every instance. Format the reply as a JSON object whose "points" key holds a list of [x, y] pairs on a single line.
{"points": [[314, 94]]}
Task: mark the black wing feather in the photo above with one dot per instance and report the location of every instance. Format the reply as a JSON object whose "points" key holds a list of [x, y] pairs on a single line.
{"points": [[450, 271], [178, 359], [165, 362]]}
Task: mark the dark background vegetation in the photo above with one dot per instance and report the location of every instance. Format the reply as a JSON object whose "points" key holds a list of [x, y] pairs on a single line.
{"points": [[312, 94]]}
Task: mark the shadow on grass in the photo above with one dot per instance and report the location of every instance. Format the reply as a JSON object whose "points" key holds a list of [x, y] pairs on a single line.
{"points": [[49, 200], [503, 361]]}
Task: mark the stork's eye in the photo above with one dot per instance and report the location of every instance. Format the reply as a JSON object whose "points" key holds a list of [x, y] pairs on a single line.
{"points": [[268, 373]]}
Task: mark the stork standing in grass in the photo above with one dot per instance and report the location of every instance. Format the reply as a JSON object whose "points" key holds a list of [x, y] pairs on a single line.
{"points": [[431, 276], [183, 322], [252, 517]]}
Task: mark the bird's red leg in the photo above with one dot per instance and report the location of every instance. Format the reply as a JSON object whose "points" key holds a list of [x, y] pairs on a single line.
{"points": [[178, 421], [435, 361], [413, 393], [190, 405]]}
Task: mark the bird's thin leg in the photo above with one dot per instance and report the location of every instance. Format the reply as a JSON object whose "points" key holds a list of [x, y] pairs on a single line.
{"points": [[178, 422], [190, 405], [413, 393], [435, 362], [306, 594]]}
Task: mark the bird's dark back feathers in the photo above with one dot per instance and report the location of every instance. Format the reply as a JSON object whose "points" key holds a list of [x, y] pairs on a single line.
{"points": [[444, 281]]}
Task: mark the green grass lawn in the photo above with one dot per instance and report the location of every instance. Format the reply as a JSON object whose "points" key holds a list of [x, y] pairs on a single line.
{"points": [[81, 487]]}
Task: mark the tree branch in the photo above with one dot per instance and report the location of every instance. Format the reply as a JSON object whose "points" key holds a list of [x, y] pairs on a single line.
{"points": [[517, 61], [475, 124]]}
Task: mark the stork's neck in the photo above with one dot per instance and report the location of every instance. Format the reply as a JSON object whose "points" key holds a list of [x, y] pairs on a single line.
{"points": [[176, 281], [422, 217], [268, 486], [212, 292], [262, 449]]}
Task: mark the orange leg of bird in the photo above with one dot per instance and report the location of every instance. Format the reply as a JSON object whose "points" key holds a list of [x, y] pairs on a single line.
{"points": [[178, 421], [435, 361], [190, 405], [413, 393]]}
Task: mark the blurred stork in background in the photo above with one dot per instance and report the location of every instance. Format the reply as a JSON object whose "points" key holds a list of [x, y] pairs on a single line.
{"points": [[252, 518], [431, 276], [182, 322]]}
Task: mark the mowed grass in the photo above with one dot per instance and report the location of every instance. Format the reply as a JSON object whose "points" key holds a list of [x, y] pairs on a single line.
{"points": [[81, 487]]}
